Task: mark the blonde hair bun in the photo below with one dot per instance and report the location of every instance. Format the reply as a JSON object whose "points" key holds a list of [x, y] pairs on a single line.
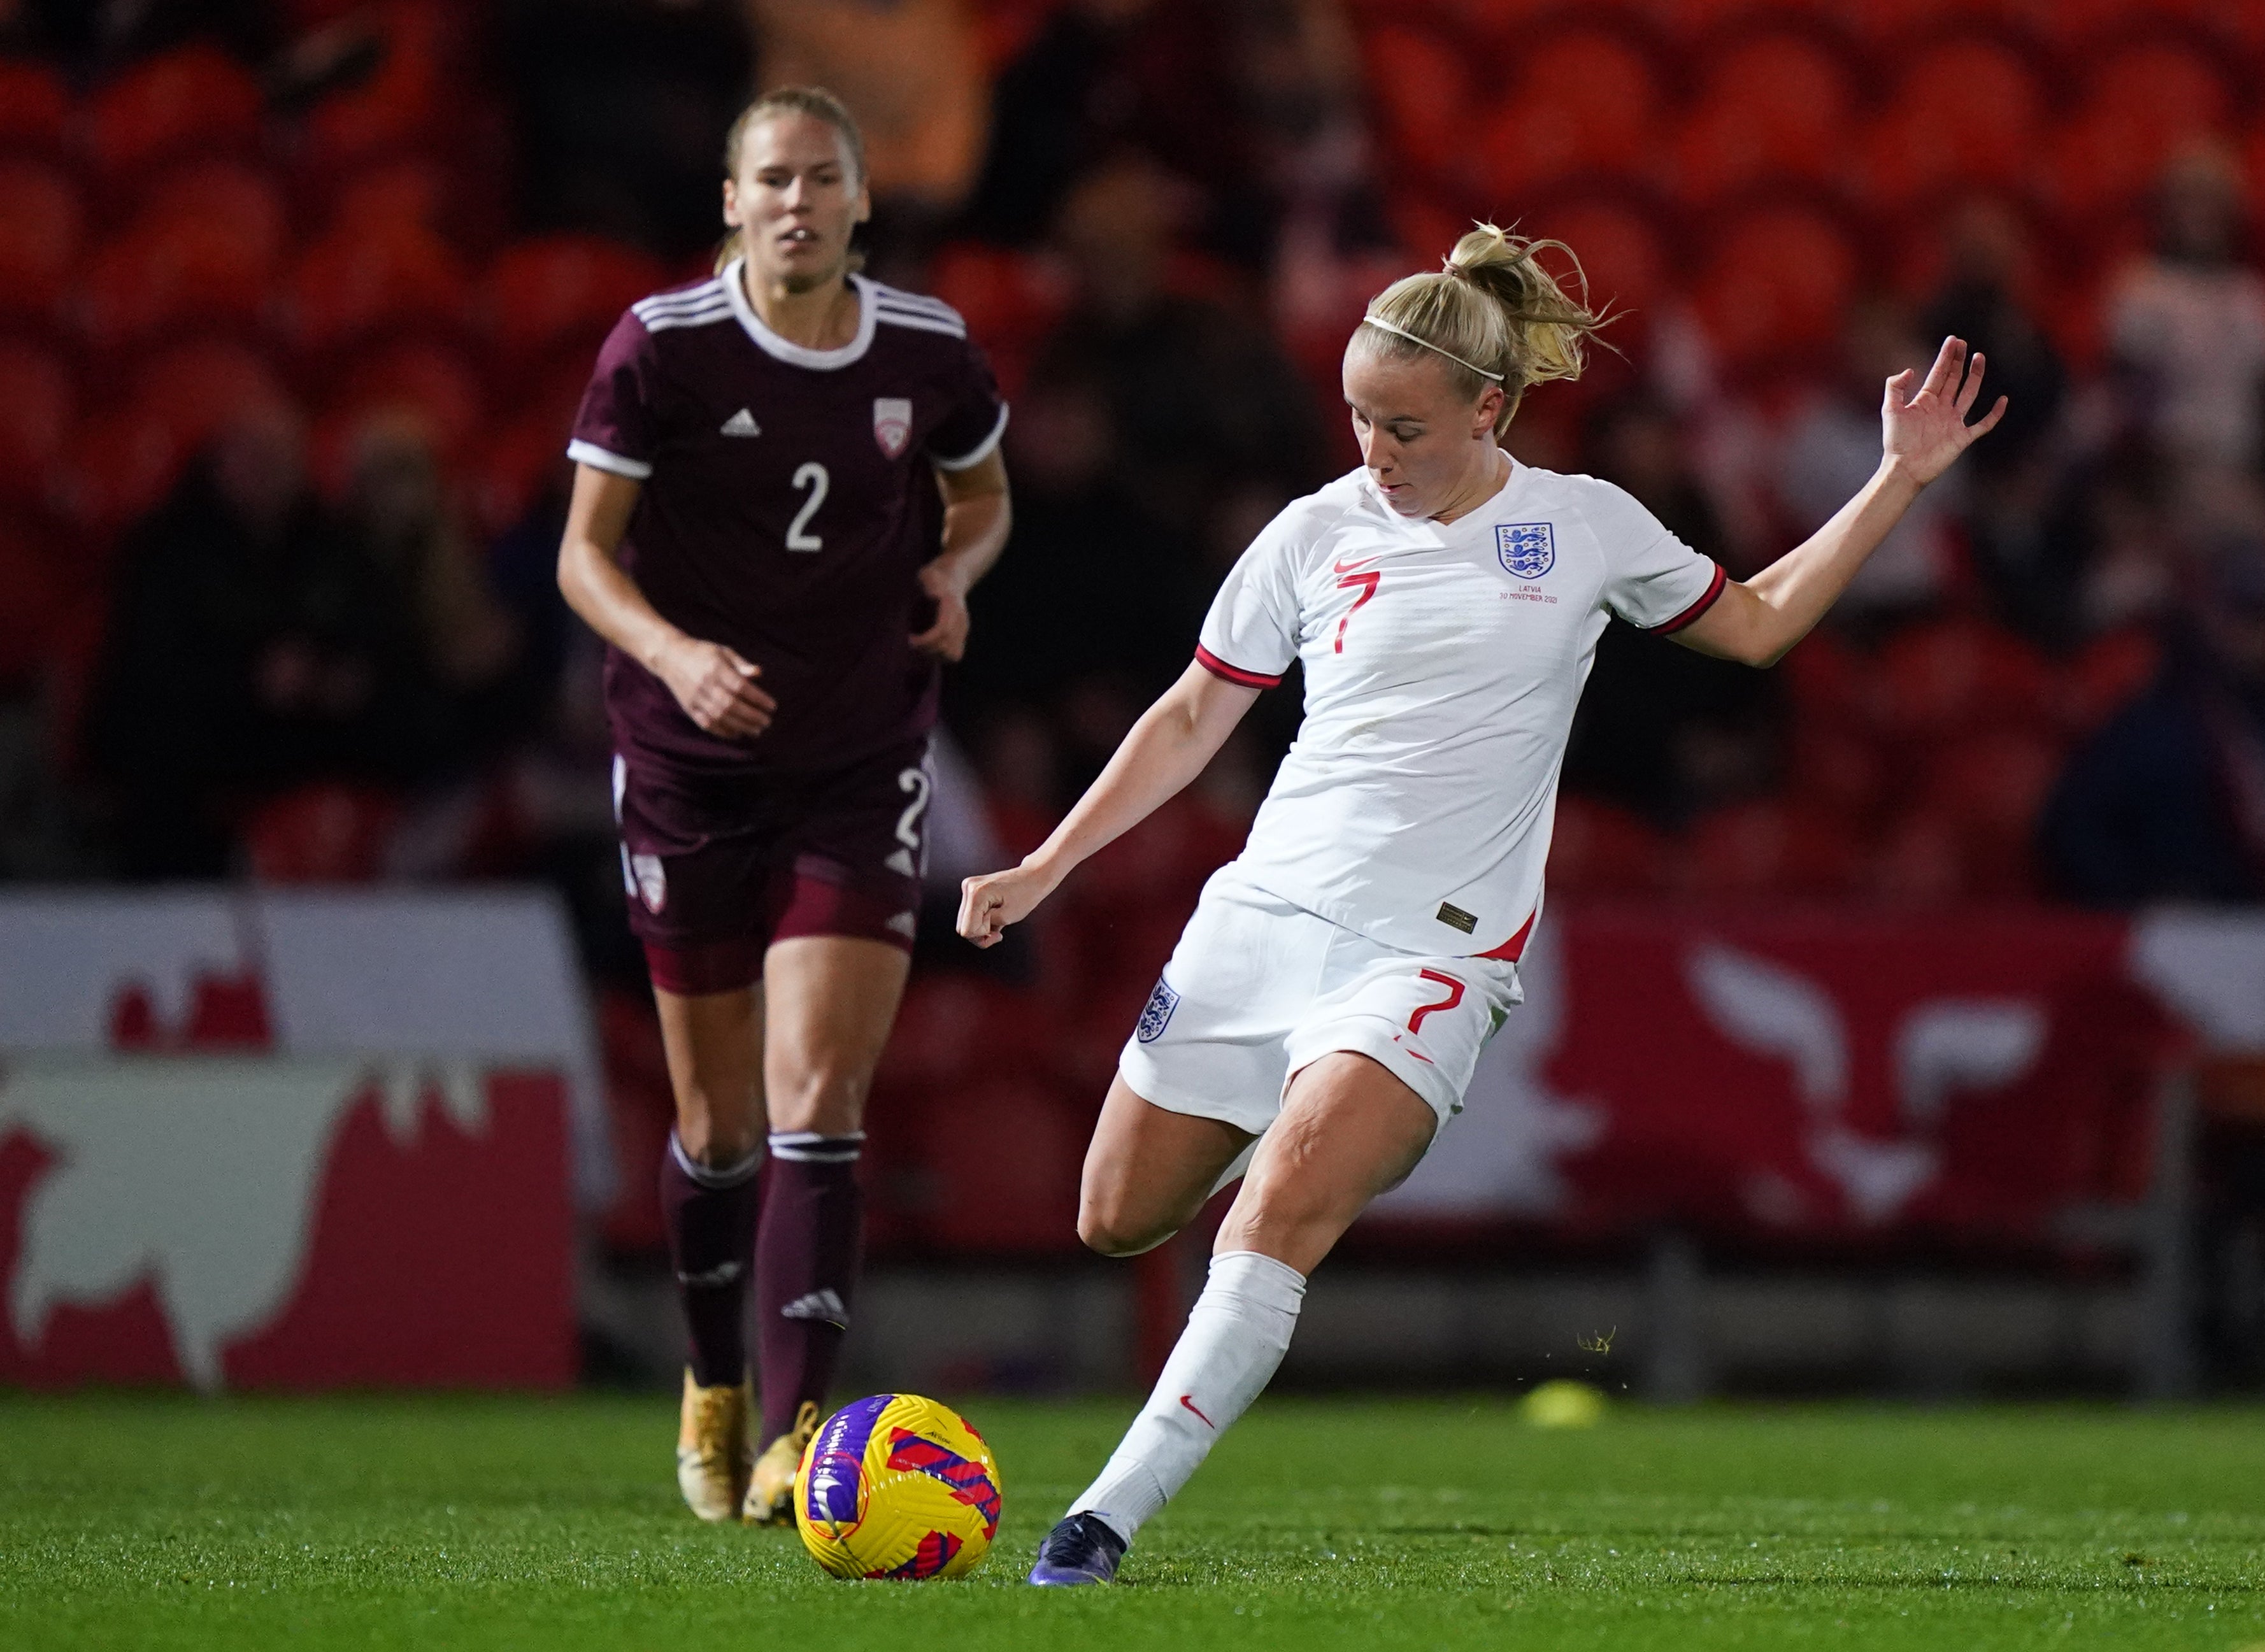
{"points": [[1493, 312]]}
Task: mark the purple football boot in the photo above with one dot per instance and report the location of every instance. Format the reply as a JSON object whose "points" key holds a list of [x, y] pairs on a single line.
{"points": [[1080, 1550]]}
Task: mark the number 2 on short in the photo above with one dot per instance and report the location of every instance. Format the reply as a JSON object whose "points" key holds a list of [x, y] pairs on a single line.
{"points": [[914, 780], [812, 476]]}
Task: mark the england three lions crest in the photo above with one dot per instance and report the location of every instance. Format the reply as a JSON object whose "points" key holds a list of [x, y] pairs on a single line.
{"points": [[892, 424], [1158, 1014], [1528, 549]]}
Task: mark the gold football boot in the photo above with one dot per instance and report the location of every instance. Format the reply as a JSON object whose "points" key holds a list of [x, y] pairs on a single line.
{"points": [[713, 1458], [770, 1493]]}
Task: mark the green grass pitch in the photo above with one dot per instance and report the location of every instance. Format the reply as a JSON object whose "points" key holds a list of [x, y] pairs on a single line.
{"points": [[553, 1525]]}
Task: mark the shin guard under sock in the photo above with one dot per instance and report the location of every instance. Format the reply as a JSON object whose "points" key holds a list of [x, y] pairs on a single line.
{"points": [[808, 1251], [711, 1218]]}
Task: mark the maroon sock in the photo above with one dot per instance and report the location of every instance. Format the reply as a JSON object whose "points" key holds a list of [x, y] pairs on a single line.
{"points": [[808, 1254], [711, 1217]]}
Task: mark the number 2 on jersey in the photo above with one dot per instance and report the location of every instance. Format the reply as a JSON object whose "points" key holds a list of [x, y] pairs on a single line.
{"points": [[1368, 582], [812, 476]]}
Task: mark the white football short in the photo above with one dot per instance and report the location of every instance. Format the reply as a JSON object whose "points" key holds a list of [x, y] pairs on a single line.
{"points": [[1258, 988]]}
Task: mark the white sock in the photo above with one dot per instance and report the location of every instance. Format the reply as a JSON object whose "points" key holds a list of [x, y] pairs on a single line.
{"points": [[1237, 1333]]}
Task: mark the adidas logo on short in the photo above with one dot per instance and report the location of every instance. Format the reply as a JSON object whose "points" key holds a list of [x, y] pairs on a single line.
{"points": [[823, 1306], [742, 423]]}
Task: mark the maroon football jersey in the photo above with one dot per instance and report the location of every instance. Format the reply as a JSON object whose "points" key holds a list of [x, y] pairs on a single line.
{"points": [[788, 505]]}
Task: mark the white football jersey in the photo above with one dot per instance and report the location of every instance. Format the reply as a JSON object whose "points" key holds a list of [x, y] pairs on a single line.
{"points": [[1442, 664]]}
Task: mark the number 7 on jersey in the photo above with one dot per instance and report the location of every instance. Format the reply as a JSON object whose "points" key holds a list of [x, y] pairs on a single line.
{"points": [[1368, 582]]}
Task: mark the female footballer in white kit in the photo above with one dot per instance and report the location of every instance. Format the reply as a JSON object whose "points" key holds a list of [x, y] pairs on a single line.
{"points": [[1322, 1013]]}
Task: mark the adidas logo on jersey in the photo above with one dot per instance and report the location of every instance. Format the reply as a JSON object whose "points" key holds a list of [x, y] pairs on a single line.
{"points": [[742, 423], [825, 1306]]}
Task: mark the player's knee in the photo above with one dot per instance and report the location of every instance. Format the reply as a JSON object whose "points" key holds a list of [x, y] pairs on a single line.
{"points": [[824, 1096], [714, 1143], [1106, 1225]]}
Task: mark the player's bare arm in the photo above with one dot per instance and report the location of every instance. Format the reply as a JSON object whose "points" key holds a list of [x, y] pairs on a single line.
{"points": [[977, 516], [1923, 432], [715, 686], [1168, 748]]}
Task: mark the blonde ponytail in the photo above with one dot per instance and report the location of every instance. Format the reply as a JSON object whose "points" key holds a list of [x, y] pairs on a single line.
{"points": [[819, 104], [1494, 313]]}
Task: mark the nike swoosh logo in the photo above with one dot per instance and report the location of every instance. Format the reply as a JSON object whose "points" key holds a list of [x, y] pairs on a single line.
{"points": [[1357, 562], [1206, 1422]]}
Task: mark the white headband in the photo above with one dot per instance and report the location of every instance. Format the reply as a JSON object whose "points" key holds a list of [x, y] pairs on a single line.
{"points": [[1402, 333]]}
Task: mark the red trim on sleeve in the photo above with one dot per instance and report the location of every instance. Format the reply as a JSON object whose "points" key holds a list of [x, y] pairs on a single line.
{"points": [[1714, 594], [1218, 668], [1509, 948]]}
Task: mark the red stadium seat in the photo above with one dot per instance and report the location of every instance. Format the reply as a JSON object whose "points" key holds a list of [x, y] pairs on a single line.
{"points": [[1772, 107], [1000, 1158], [951, 1029], [405, 191], [1418, 83], [1990, 787], [177, 274], [39, 403], [512, 469], [41, 226], [1768, 849], [1776, 285], [1597, 849], [1010, 300], [1889, 22], [226, 194], [35, 106], [349, 285], [430, 379], [196, 98], [118, 466], [1959, 675], [192, 389], [1965, 113], [1619, 248], [2111, 671], [563, 290], [399, 104], [1584, 100], [2142, 106]]}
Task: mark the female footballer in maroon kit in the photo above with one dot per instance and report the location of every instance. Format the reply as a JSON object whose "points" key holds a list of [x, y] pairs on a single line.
{"points": [[755, 532]]}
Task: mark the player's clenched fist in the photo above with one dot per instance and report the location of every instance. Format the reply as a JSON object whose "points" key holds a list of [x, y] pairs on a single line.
{"points": [[988, 904], [717, 689]]}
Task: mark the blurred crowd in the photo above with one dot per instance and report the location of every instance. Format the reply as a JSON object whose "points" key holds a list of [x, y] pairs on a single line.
{"points": [[296, 298]]}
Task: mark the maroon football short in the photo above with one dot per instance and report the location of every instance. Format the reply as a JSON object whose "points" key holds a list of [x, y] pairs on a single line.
{"points": [[717, 868]]}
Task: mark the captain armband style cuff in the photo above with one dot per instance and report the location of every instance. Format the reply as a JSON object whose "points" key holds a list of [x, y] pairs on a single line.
{"points": [[1714, 594], [1218, 668]]}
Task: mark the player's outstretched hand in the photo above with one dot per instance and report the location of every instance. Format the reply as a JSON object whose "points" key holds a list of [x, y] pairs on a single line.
{"points": [[717, 689], [947, 637], [988, 904], [1927, 429]]}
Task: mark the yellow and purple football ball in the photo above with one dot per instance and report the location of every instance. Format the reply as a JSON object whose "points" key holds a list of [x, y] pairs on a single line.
{"points": [[898, 1487]]}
